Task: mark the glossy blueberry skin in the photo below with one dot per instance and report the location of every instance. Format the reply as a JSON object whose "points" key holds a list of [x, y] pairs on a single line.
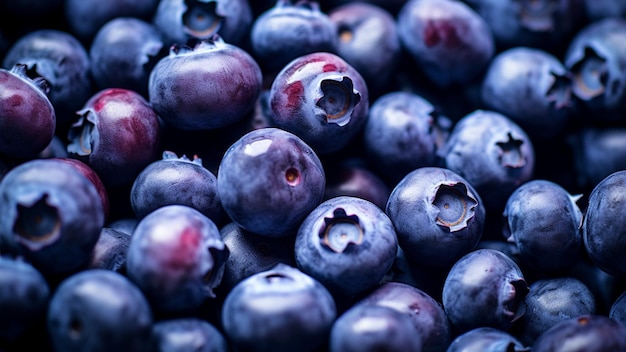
{"points": [[597, 65], [281, 309], [86, 17], [63, 61], [249, 253], [269, 180], [431, 326], [52, 215], [24, 298], [176, 257], [544, 222], [543, 24], [551, 301], [598, 152], [346, 243], [403, 132], [110, 251], [438, 216], [183, 20], [370, 328], [486, 339], [27, 117], [291, 29], [356, 180], [322, 99], [368, 40], [117, 129], [99, 310], [584, 333], [448, 41], [532, 87], [210, 85], [123, 53], [176, 180], [187, 334], [484, 288], [492, 152], [603, 224]]}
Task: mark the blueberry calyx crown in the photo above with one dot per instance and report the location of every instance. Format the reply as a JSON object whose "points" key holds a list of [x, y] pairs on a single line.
{"points": [[201, 20], [590, 75], [513, 299], [37, 224], [511, 155], [338, 100], [560, 91], [31, 75], [80, 134], [456, 206], [341, 231], [537, 16], [309, 5], [196, 45], [169, 155]]}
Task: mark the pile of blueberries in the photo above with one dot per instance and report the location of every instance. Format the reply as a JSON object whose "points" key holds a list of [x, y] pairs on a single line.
{"points": [[298, 175]]}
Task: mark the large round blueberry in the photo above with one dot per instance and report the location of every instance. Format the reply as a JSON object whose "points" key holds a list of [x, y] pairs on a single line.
{"points": [[486, 339], [281, 309], [99, 310], [484, 288], [590, 332], [176, 257], [346, 243], [437, 214], [187, 334], [52, 215], [269, 180]]}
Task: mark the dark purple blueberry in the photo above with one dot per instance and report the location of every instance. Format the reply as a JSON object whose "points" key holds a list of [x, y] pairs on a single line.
{"points": [[24, 298], [598, 152], [269, 180], [597, 61], [126, 225], [371, 328], [117, 129], [123, 53], [617, 310], [604, 233], [176, 257], [281, 309], [544, 24], [368, 40], [549, 302], [176, 180], [585, 333], [322, 99], [52, 215], [447, 40], [110, 251], [403, 132], [206, 86], [438, 216], [544, 222], [346, 243], [356, 180], [493, 153], [99, 310], [289, 29], [486, 339], [187, 334], [431, 326], [62, 60], [27, 117], [484, 288], [184, 20], [249, 253], [86, 17], [531, 87]]}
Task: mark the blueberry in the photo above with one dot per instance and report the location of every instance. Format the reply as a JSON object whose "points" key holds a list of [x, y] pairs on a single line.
{"points": [[484, 288], [346, 243], [206, 85], [447, 40], [583, 333], [551, 301], [320, 98], [99, 310], [269, 180], [369, 328], [281, 309], [603, 230], [438, 216], [598, 152], [356, 180], [53, 215], [617, 310], [187, 334], [486, 339], [544, 222], [176, 257], [176, 180], [599, 9], [110, 251]]}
